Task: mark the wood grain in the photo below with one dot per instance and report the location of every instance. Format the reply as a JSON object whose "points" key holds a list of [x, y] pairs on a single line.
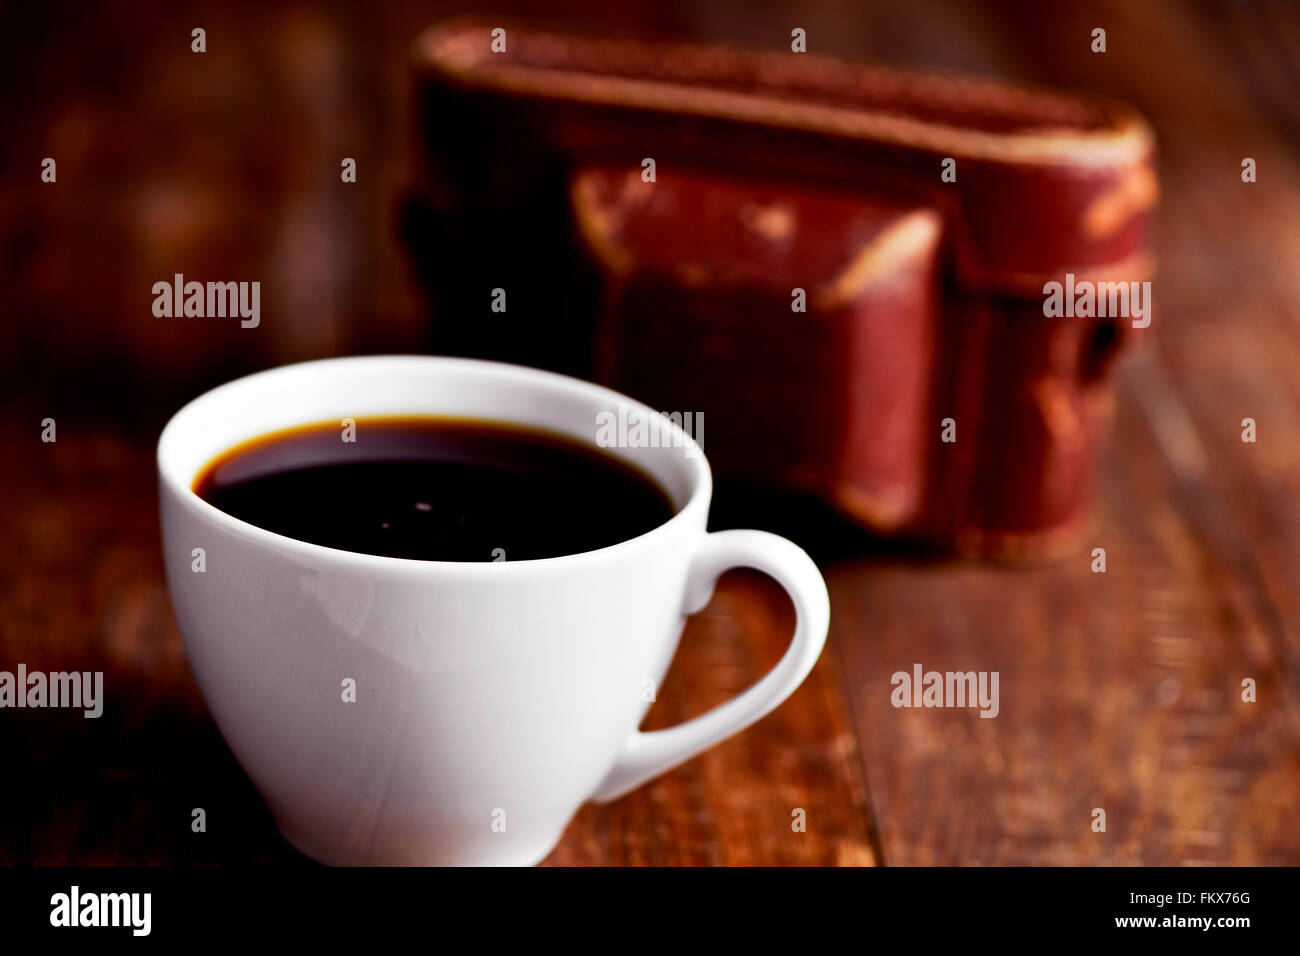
{"points": [[738, 803], [1123, 690]]}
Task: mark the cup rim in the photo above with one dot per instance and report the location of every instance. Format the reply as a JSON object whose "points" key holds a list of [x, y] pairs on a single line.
{"points": [[181, 487]]}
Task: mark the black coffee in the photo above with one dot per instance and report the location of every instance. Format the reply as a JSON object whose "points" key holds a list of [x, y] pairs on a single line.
{"points": [[435, 489]]}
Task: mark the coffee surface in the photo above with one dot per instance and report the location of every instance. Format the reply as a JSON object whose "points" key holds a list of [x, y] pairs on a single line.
{"points": [[435, 489]]}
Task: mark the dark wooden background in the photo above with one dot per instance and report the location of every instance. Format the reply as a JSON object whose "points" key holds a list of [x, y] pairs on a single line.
{"points": [[1118, 690]]}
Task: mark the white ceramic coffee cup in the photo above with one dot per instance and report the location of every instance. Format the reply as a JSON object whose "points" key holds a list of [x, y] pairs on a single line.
{"points": [[492, 698]]}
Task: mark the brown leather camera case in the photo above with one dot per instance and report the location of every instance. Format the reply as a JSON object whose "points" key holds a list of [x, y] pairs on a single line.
{"points": [[917, 383]]}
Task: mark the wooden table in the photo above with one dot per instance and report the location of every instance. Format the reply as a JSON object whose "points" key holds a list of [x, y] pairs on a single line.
{"points": [[1119, 691]]}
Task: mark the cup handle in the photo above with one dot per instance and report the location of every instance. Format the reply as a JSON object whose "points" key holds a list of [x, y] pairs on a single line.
{"points": [[647, 755]]}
